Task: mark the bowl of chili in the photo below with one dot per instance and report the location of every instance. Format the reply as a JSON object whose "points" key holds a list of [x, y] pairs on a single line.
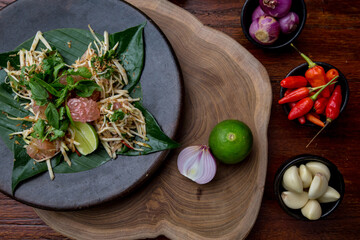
{"points": [[298, 7], [336, 181], [341, 81]]}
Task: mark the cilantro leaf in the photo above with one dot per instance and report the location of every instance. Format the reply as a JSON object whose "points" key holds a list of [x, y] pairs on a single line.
{"points": [[118, 115], [55, 134], [39, 129], [53, 60]]}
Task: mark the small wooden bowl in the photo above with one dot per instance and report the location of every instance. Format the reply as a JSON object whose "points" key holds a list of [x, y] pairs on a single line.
{"points": [[336, 181], [341, 80], [298, 7]]}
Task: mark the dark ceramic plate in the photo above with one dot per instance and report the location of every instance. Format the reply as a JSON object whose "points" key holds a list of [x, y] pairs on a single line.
{"points": [[336, 181], [297, 6], [162, 90], [300, 71]]}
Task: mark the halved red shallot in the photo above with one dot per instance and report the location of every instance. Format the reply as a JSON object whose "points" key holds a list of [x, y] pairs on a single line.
{"points": [[275, 8], [197, 164]]}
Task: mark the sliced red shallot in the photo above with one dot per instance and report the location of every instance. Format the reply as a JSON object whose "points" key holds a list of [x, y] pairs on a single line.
{"points": [[197, 164]]}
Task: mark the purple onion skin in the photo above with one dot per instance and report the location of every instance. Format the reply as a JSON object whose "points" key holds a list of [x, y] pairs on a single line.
{"points": [[258, 12], [275, 8], [265, 30], [289, 23]]}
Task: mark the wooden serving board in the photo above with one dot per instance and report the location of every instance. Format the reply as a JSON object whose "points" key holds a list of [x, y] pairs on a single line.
{"points": [[221, 80]]}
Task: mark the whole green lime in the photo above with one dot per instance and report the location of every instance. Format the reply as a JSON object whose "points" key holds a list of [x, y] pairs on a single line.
{"points": [[231, 141]]}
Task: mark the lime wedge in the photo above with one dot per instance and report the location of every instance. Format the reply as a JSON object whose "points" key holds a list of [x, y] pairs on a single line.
{"points": [[86, 135]]}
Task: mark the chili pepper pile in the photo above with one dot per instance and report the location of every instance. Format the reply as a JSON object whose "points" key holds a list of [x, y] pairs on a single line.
{"points": [[313, 95]]}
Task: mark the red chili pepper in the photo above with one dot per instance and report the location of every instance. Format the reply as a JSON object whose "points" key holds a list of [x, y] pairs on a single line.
{"points": [[294, 82], [333, 107], [298, 94], [123, 142], [320, 105], [332, 110], [301, 119], [288, 91], [77, 152], [305, 105], [301, 108], [314, 119], [315, 74], [295, 95], [330, 75]]}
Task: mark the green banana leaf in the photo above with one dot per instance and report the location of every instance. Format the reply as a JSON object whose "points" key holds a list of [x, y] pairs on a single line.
{"points": [[131, 52]]}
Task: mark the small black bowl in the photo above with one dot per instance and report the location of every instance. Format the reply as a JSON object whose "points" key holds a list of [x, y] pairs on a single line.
{"points": [[298, 7], [341, 80], [336, 181]]}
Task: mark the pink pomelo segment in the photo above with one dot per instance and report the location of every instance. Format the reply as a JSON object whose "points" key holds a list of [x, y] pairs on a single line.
{"points": [[39, 149], [83, 109]]}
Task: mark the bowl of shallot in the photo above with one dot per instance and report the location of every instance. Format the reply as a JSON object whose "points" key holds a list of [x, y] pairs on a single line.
{"points": [[309, 187], [273, 24]]}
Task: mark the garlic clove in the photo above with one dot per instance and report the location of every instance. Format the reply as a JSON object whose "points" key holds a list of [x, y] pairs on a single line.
{"points": [[294, 200], [318, 186], [318, 167], [312, 210], [305, 175], [331, 195], [292, 181]]}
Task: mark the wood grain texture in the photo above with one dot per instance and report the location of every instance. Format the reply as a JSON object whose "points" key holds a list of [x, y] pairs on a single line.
{"points": [[221, 80], [331, 34]]}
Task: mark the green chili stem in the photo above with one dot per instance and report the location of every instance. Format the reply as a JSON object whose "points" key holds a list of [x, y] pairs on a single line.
{"points": [[314, 97], [316, 88], [307, 59]]}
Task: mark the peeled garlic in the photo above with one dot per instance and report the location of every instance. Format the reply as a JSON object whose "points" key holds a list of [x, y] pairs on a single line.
{"points": [[318, 167], [292, 181], [305, 175], [331, 195], [312, 210], [318, 186], [294, 200]]}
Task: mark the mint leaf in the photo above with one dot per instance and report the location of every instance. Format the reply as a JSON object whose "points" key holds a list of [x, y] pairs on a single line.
{"points": [[52, 115], [39, 94], [81, 71], [86, 88]]}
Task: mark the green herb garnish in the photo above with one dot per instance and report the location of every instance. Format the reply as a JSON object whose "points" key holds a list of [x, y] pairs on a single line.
{"points": [[118, 115]]}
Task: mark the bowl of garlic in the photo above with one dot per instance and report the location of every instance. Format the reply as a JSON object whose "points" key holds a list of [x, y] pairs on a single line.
{"points": [[309, 187]]}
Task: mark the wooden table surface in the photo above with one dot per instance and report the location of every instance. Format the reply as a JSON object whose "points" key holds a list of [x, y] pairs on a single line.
{"points": [[332, 35]]}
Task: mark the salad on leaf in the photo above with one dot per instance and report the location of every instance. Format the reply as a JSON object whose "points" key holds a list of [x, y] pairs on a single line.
{"points": [[57, 109]]}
